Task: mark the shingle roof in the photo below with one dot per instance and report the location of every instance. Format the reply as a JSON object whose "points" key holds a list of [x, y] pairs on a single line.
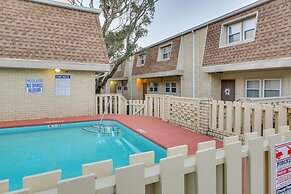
{"points": [[40, 31]]}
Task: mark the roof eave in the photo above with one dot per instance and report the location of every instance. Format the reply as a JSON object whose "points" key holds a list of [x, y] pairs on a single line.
{"points": [[67, 6], [45, 64], [240, 10]]}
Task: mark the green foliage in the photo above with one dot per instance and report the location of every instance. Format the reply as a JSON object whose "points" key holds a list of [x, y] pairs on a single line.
{"points": [[125, 22]]}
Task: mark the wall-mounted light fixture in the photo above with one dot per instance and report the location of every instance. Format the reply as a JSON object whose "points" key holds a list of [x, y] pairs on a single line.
{"points": [[57, 70]]}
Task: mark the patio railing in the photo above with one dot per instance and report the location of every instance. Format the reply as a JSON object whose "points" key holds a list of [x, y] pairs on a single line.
{"points": [[237, 118], [206, 116]]}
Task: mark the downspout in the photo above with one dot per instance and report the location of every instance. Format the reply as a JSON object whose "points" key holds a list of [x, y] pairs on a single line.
{"points": [[193, 64]]}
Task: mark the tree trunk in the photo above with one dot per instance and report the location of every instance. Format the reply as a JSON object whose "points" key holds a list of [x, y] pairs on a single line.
{"points": [[103, 82]]}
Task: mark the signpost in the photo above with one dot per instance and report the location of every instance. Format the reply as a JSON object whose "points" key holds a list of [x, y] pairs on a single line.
{"points": [[34, 85], [63, 85], [283, 168]]}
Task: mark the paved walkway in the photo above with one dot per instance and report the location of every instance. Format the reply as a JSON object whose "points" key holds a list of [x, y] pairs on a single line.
{"points": [[158, 131]]}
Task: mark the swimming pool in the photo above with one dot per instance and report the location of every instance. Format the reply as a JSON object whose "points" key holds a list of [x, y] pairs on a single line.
{"points": [[31, 150]]}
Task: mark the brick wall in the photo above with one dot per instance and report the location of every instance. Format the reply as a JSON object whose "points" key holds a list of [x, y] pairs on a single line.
{"points": [[154, 66], [202, 79], [16, 104], [38, 31], [119, 73], [272, 36]]}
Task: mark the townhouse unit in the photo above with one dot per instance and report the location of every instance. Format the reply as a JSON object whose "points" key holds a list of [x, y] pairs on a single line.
{"points": [[50, 53], [248, 52], [245, 53], [166, 67]]}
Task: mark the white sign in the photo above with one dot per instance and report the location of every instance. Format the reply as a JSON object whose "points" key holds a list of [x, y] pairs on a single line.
{"points": [[63, 85], [283, 168], [34, 85]]}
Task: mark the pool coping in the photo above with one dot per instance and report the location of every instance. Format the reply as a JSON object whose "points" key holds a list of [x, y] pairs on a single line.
{"points": [[67, 120], [157, 134]]}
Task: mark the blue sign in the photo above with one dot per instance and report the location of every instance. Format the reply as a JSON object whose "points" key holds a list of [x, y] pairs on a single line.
{"points": [[63, 85], [63, 76], [34, 85]]}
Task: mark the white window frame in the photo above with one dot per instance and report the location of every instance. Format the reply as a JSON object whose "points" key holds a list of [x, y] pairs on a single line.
{"points": [[139, 64], [280, 92], [119, 87], [170, 87], [153, 87], [246, 87], [227, 33], [224, 34], [160, 52]]}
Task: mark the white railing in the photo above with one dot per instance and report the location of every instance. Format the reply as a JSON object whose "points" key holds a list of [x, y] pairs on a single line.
{"points": [[209, 171], [111, 104], [211, 117], [136, 107], [155, 105], [236, 118]]}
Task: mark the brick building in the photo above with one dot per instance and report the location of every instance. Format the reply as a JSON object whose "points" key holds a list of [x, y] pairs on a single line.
{"points": [[245, 53], [166, 67], [248, 52], [50, 53]]}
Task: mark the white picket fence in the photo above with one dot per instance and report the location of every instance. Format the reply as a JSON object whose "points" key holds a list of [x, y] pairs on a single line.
{"points": [[206, 116], [209, 171], [111, 104], [136, 107], [237, 118]]}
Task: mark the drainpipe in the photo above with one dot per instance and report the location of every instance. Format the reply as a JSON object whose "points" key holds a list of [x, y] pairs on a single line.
{"points": [[193, 64]]}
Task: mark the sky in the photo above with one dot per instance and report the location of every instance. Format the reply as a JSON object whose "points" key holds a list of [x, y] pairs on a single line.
{"points": [[175, 16]]}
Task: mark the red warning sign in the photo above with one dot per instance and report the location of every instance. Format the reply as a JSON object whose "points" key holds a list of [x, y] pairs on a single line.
{"points": [[283, 168]]}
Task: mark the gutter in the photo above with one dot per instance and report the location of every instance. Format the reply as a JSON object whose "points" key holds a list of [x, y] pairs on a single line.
{"points": [[46, 64], [67, 6]]}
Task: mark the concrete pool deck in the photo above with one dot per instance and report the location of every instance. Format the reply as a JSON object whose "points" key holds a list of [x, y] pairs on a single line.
{"points": [[160, 132]]}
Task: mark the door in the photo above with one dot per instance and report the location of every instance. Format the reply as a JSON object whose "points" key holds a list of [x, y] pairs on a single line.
{"points": [[145, 89], [228, 90]]}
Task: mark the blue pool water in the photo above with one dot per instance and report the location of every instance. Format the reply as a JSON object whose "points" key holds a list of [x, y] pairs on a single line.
{"points": [[32, 150]]}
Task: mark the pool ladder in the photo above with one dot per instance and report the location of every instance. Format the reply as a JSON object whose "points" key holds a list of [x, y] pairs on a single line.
{"points": [[101, 129], [99, 126]]}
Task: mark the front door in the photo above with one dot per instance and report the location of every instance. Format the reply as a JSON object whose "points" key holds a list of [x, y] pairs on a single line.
{"points": [[228, 90], [145, 89]]}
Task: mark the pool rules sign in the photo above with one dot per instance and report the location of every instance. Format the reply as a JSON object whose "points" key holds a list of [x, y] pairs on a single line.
{"points": [[283, 168], [63, 85]]}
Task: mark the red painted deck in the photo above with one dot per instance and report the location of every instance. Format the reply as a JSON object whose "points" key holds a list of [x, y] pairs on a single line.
{"points": [[158, 131]]}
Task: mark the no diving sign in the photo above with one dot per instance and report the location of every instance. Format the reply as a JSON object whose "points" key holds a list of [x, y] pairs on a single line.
{"points": [[283, 168]]}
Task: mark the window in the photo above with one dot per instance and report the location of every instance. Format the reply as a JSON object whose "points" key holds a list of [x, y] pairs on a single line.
{"points": [[153, 87], [174, 87], [249, 27], [272, 88], [119, 87], [141, 60], [171, 87], [164, 53], [168, 87], [239, 31], [253, 88], [234, 33], [124, 83]]}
